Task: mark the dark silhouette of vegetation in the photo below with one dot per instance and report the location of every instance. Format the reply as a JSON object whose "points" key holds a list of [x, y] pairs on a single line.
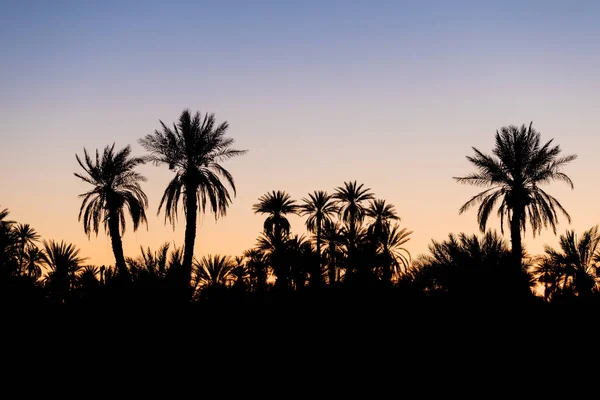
{"points": [[194, 149], [351, 253], [520, 164]]}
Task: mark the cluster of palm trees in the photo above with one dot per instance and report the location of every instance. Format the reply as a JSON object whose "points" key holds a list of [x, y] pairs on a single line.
{"points": [[353, 238]]}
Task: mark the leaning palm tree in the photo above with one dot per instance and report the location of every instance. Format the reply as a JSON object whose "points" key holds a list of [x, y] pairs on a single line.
{"points": [[520, 164], [350, 200], [319, 207], [194, 149], [575, 264], [116, 188], [25, 235]]}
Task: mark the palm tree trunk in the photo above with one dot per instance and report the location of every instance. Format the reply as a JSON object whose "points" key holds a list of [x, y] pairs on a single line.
{"points": [[515, 237], [315, 277], [117, 244], [191, 205]]}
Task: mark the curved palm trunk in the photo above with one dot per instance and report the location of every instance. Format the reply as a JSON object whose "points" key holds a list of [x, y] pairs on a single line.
{"points": [[191, 207], [117, 244]]}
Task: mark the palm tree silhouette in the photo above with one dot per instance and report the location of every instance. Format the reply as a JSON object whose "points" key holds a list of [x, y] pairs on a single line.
{"points": [[34, 257], [194, 149], [513, 175], [25, 235], [276, 228], [319, 207], [116, 188], [574, 266], [63, 261], [333, 240], [213, 270], [349, 200], [396, 259]]}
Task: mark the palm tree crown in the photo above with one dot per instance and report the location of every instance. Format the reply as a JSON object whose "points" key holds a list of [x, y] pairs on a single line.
{"points": [[194, 149], [277, 205], [349, 199]]}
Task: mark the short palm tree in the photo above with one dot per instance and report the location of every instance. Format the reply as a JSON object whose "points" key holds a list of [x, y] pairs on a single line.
{"points": [[214, 270], [25, 235], [319, 207], [63, 262], [34, 257], [194, 149], [513, 174], [116, 188]]}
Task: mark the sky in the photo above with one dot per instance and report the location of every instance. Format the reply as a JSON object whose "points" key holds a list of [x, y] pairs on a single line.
{"points": [[391, 94]]}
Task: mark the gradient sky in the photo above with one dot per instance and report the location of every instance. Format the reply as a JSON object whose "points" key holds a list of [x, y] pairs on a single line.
{"points": [[391, 94]]}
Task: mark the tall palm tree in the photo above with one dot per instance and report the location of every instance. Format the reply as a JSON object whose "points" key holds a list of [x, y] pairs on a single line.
{"points": [[194, 149], [349, 199], [25, 235], [116, 187], [63, 261], [513, 174], [319, 207], [575, 264]]}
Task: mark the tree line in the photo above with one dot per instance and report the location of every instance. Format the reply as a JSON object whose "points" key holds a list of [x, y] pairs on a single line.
{"points": [[354, 241]]}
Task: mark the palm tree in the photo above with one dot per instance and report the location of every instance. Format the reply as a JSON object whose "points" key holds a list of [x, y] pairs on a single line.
{"points": [[333, 240], [574, 266], [116, 187], [34, 257], [240, 272], [213, 271], [194, 149], [396, 259], [319, 207], [25, 235], [276, 229], [63, 260], [381, 213], [8, 245], [257, 269], [350, 200], [276, 205], [513, 175]]}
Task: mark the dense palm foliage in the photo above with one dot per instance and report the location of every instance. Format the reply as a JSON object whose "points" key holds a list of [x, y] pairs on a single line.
{"points": [[194, 149], [116, 192], [513, 176], [572, 270]]}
